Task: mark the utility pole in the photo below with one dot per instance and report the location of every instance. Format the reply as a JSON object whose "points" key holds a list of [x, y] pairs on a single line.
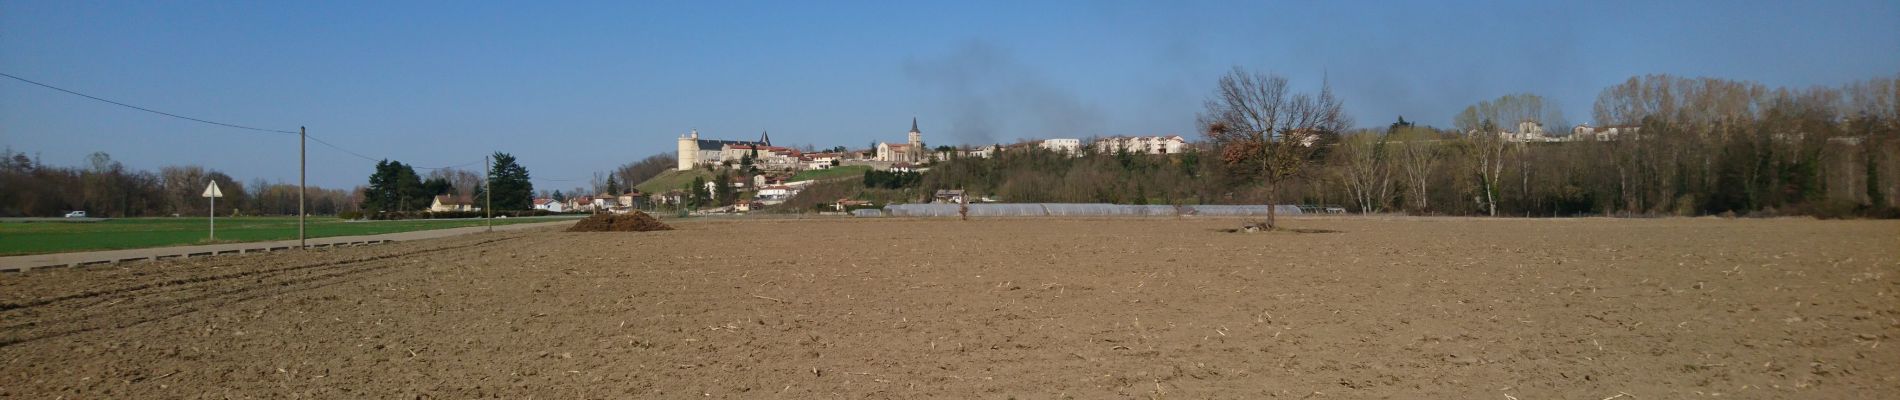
{"points": [[302, 167], [488, 196]]}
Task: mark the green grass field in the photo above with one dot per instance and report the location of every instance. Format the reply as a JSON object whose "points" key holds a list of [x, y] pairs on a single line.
{"points": [[831, 173], [18, 238], [671, 180]]}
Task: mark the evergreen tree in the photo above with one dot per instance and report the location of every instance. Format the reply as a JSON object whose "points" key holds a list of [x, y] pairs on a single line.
{"points": [[509, 181], [395, 187], [723, 193], [438, 186], [696, 193]]}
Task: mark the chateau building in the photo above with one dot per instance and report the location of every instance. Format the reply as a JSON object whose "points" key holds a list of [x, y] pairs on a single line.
{"points": [[694, 151]]}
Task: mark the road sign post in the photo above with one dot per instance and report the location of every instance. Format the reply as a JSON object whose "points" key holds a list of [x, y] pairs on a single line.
{"points": [[212, 192]]}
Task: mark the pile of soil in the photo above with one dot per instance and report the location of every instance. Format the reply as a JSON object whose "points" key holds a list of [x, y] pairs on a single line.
{"points": [[630, 222]]}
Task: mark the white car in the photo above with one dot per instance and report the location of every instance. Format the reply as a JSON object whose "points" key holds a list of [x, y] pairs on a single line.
{"points": [[76, 214]]}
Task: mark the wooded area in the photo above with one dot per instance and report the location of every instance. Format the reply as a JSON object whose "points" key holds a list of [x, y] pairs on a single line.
{"points": [[1700, 147], [106, 188]]}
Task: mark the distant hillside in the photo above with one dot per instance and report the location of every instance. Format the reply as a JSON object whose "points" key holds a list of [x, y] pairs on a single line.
{"points": [[671, 180]]}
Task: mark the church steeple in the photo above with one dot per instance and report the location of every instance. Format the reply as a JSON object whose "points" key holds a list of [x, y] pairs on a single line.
{"points": [[913, 125], [765, 137]]}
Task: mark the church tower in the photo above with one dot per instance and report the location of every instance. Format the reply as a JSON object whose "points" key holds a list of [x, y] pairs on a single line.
{"points": [[916, 142]]}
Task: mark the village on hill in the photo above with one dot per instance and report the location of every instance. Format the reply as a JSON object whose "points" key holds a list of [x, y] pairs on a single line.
{"points": [[779, 172]]}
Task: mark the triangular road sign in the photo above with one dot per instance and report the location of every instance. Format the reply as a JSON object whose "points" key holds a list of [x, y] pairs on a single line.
{"points": [[212, 191]]}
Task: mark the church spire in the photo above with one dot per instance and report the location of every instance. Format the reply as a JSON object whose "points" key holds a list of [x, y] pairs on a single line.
{"points": [[913, 124], [765, 137]]}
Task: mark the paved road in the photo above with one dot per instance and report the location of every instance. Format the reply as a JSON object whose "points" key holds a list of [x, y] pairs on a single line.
{"points": [[24, 263]]}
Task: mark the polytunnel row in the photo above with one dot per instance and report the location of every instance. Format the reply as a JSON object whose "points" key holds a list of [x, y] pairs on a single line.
{"points": [[1072, 210]]}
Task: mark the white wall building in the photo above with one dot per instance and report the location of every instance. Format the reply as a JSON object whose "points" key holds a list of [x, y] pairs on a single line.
{"points": [[1064, 146], [549, 205], [1586, 133], [1170, 144], [770, 195]]}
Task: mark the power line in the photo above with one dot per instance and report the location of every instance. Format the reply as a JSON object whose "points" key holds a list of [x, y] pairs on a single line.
{"points": [[314, 138], [368, 158], [145, 109], [340, 148]]}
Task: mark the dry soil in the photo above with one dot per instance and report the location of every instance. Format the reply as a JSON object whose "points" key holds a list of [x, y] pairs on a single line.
{"points": [[1034, 308]]}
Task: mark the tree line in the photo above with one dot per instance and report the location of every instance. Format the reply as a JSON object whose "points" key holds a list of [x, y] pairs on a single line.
{"points": [[106, 188], [1685, 146]]}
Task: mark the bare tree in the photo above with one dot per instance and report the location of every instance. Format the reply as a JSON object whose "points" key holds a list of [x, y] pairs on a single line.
{"points": [[466, 182], [1266, 133], [635, 173], [1366, 170], [1418, 151], [1485, 128]]}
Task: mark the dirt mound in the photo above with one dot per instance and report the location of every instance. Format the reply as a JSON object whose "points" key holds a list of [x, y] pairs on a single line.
{"points": [[631, 222]]}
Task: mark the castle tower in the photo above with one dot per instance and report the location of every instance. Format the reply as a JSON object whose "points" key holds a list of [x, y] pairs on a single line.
{"points": [[688, 151]]}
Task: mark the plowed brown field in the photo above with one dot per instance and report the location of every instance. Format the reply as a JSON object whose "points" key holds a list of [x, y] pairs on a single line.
{"points": [[1034, 308]]}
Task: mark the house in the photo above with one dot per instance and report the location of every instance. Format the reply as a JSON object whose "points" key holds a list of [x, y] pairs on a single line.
{"points": [[449, 202], [1586, 133], [671, 197], [580, 204], [604, 202], [772, 158], [776, 194], [951, 196], [820, 160], [549, 205], [629, 201], [849, 204], [984, 151], [763, 180]]}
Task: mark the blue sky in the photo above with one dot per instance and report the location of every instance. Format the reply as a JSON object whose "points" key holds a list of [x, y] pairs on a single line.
{"points": [[574, 88]]}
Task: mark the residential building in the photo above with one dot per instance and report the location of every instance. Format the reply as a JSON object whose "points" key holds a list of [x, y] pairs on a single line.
{"points": [[580, 204], [951, 196], [549, 205], [1170, 144], [1064, 146], [776, 194], [1586, 133], [449, 202]]}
